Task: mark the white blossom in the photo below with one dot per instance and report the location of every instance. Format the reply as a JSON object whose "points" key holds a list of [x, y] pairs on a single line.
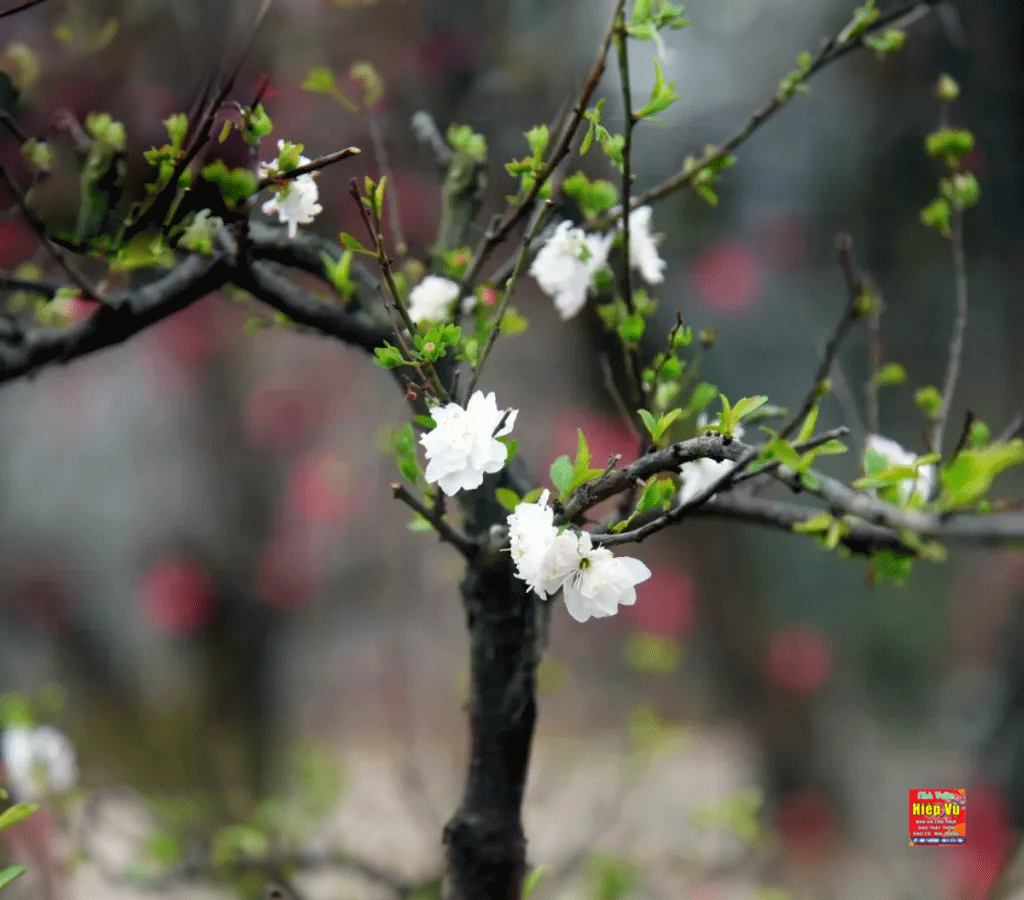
{"points": [[39, 761], [895, 455], [432, 298], [295, 201], [643, 246], [566, 264], [602, 582], [543, 557], [593, 581], [462, 446]]}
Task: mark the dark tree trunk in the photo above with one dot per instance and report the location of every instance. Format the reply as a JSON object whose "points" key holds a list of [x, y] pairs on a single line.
{"points": [[484, 840]]}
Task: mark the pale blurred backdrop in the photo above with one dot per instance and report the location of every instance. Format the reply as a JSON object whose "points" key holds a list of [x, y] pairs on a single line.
{"points": [[199, 547]]}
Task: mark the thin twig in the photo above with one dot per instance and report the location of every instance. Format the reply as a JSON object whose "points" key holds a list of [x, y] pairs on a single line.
{"points": [[501, 229], [851, 312], [312, 166], [17, 9], [956, 341], [59, 256], [871, 386], [622, 50], [609, 382], [510, 287], [381, 152], [445, 531], [830, 51], [372, 223], [46, 289], [1014, 427]]}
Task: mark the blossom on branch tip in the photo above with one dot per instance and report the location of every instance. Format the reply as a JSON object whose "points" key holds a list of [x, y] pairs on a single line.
{"points": [[39, 761], [895, 455], [432, 299], [462, 446], [295, 202], [643, 246], [602, 582], [566, 263]]}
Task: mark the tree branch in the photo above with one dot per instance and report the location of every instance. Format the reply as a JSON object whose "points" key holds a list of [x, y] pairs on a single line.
{"points": [[834, 48], [124, 314], [851, 313]]}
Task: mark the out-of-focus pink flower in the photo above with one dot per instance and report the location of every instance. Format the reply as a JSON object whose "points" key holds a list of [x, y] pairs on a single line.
{"points": [[728, 277], [606, 436], [666, 603], [281, 416], [189, 338], [807, 825], [799, 659], [782, 238], [975, 867], [16, 243], [178, 597], [321, 491]]}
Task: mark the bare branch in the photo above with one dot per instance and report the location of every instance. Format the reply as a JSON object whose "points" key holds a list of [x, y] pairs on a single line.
{"points": [[445, 531], [312, 166], [956, 341], [833, 49], [124, 314], [501, 229], [851, 313]]}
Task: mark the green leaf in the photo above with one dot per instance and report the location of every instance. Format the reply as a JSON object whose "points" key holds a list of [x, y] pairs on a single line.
{"points": [[649, 422], [746, 407], [538, 138], [530, 884], [938, 215], [508, 498], [351, 243], [809, 425], [663, 95], [419, 525], [949, 142], [425, 422], [17, 813], [320, 81], [9, 874], [814, 525], [784, 452], [929, 401], [388, 357], [890, 374], [969, 476], [561, 474], [643, 11]]}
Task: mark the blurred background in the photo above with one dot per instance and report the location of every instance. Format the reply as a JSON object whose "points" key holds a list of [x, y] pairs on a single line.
{"points": [[202, 573]]}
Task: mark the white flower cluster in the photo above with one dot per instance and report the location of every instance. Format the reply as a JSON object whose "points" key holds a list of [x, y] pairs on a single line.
{"points": [[462, 446], [38, 761], [593, 582], [895, 455], [569, 259], [296, 201]]}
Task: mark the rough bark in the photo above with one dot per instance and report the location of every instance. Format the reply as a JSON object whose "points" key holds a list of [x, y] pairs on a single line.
{"points": [[484, 841]]}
